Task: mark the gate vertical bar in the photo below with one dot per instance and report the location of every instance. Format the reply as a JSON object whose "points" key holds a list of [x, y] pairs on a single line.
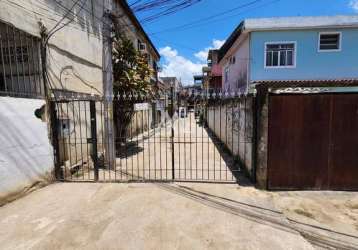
{"points": [[172, 137], [2, 51], [94, 138]]}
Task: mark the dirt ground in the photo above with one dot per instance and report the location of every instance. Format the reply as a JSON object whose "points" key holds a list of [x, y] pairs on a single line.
{"points": [[176, 216]]}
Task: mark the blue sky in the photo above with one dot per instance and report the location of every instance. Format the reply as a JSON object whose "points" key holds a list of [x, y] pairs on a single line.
{"points": [[183, 49]]}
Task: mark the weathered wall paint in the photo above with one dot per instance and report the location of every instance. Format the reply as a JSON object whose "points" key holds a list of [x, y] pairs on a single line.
{"points": [[26, 155], [310, 64], [237, 74], [75, 52], [232, 123]]}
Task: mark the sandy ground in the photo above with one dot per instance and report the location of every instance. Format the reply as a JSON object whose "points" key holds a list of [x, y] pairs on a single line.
{"points": [[176, 216], [333, 214], [144, 216]]}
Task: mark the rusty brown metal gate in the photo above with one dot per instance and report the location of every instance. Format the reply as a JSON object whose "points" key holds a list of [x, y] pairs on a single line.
{"points": [[313, 141]]}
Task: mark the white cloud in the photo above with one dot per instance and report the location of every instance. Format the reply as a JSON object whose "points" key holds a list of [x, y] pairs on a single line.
{"points": [[354, 5], [184, 68], [203, 54], [179, 66]]}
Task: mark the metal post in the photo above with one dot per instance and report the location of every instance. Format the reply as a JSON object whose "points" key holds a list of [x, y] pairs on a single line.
{"points": [[108, 89], [172, 137], [94, 138], [55, 142]]}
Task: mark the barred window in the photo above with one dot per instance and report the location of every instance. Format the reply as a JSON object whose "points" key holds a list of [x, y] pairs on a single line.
{"points": [[21, 55], [280, 55]]}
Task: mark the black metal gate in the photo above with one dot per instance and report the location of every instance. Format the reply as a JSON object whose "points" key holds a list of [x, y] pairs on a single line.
{"points": [[174, 137]]}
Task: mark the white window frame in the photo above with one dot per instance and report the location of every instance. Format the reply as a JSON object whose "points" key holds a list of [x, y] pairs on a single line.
{"points": [[281, 67], [330, 33]]}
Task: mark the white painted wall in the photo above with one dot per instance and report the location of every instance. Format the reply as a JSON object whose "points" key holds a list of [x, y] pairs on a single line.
{"points": [[26, 155]]}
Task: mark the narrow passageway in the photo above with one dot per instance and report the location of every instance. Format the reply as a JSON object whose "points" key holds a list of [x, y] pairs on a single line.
{"points": [[198, 156]]}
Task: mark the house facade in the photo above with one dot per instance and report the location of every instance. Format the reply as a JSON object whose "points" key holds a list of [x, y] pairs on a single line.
{"points": [[215, 72], [172, 81], [33, 70], [300, 76], [290, 49], [51, 50], [130, 26]]}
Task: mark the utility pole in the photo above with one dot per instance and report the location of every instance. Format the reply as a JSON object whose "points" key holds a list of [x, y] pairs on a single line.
{"points": [[110, 154]]}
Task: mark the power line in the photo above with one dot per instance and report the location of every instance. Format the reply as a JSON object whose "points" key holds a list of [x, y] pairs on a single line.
{"points": [[54, 30], [211, 16], [135, 2], [170, 7], [45, 16], [201, 23], [175, 43], [63, 18]]}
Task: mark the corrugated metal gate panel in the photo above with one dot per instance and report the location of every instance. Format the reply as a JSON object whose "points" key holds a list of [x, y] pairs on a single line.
{"points": [[307, 137]]}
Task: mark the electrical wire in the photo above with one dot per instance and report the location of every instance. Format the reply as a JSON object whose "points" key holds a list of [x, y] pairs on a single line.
{"points": [[170, 7], [42, 15], [63, 18], [196, 24], [53, 30], [211, 16]]}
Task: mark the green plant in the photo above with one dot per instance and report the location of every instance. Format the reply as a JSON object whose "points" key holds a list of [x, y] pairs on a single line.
{"points": [[131, 72], [131, 76]]}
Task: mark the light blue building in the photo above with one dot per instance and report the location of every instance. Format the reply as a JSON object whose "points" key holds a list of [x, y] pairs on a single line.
{"points": [[291, 49], [301, 77]]}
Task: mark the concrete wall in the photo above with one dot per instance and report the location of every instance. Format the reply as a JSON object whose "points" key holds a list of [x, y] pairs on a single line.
{"points": [[26, 155], [310, 63], [232, 123], [237, 71], [262, 138], [75, 52], [142, 119]]}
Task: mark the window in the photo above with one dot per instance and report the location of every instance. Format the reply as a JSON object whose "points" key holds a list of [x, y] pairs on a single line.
{"points": [[21, 55], [280, 55], [329, 41], [141, 46], [226, 74]]}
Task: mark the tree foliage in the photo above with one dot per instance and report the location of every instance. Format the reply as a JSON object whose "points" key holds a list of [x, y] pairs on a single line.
{"points": [[131, 75], [131, 72]]}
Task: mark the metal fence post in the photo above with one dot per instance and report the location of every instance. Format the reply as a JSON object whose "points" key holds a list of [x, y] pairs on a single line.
{"points": [[55, 142], [94, 138], [172, 112]]}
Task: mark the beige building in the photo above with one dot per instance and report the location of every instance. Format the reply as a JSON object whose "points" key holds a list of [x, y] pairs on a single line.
{"points": [[78, 53]]}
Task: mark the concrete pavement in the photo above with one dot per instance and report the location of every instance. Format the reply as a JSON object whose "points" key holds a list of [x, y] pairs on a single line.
{"points": [[145, 216]]}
